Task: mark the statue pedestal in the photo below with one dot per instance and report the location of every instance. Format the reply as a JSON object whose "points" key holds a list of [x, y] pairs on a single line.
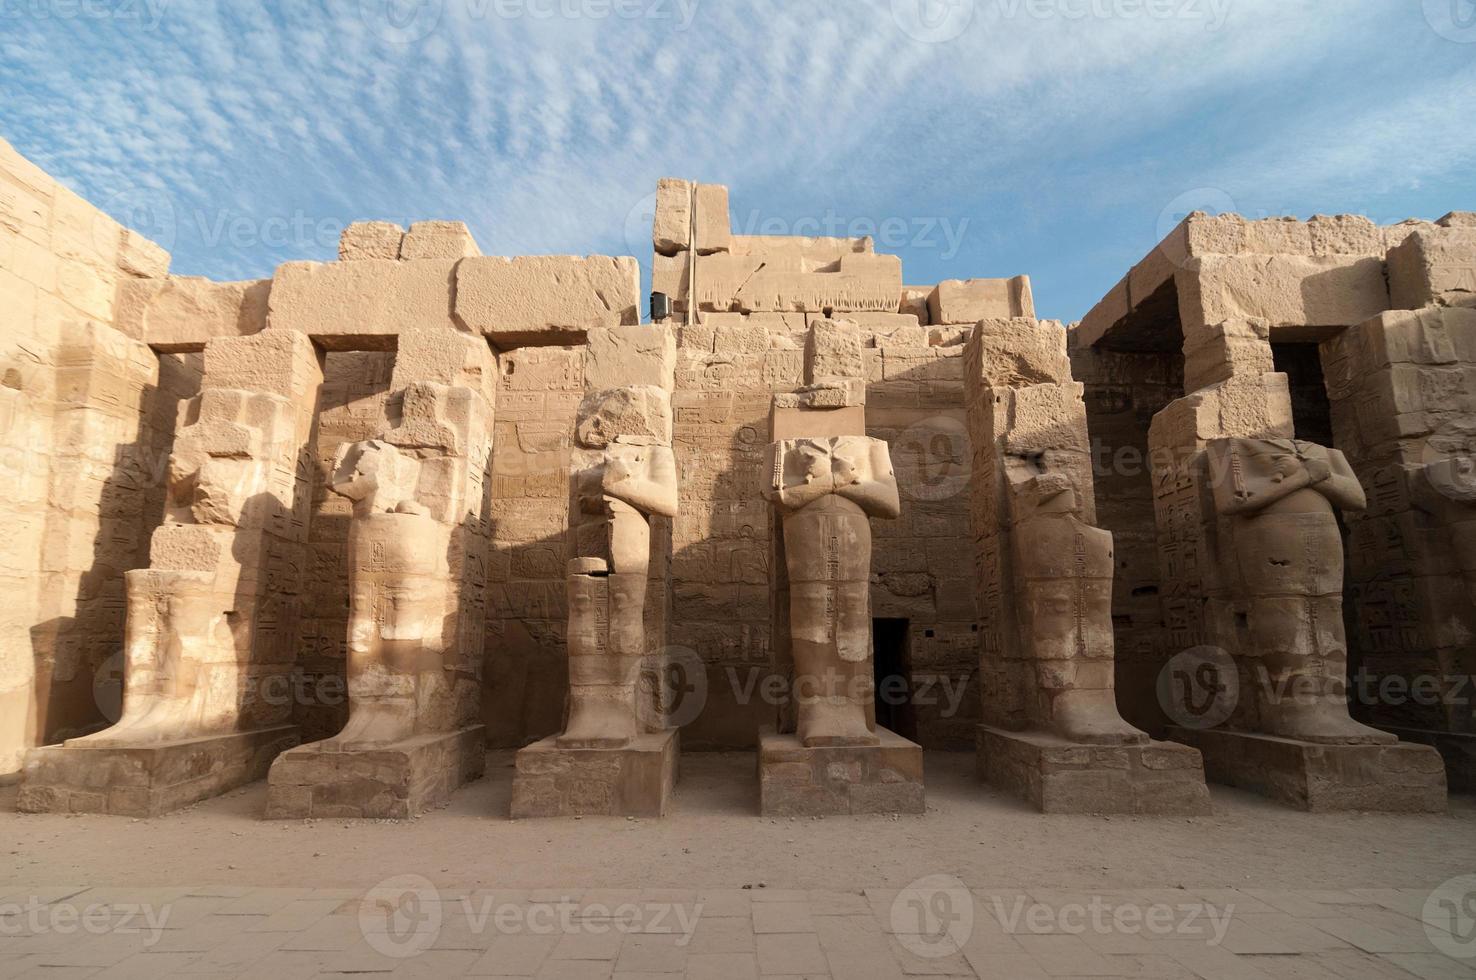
{"points": [[795, 781], [1057, 776], [1457, 748], [147, 780], [387, 782], [1395, 778], [634, 781]]}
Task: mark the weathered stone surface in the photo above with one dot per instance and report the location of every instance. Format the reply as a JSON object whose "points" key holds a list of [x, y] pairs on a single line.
{"points": [[634, 354], [800, 781], [1216, 353], [972, 300], [370, 240], [1394, 778], [147, 780], [755, 284], [546, 299], [438, 240], [635, 414], [361, 305], [390, 782], [1435, 267], [1296, 296], [182, 313], [636, 780], [714, 229], [1059, 776], [1014, 353], [671, 230]]}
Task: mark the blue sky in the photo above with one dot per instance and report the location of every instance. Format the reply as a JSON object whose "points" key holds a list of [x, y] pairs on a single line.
{"points": [[974, 137]]}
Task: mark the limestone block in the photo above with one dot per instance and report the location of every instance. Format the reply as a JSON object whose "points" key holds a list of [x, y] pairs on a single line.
{"points": [[751, 284], [138, 256], [1285, 291], [669, 275], [1458, 219], [741, 337], [1434, 268], [438, 240], [1045, 417], [972, 300], [370, 240], [714, 226], [541, 369], [1109, 311], [671, 230], [182, 313], [446, 357], [275, 362], [632, 354], [361, 305], [634, 414], [83, 288], [1247, 407], [1012, 353], [816, 252], [1237, 347], [546, 299], [915, 302], [1345, 234], [832, 350]]}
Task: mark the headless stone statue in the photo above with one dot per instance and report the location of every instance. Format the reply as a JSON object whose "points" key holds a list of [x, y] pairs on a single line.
{"points": [[398, 587], [1287, 565], [1063, 571], [607, 596], [826, 491]]}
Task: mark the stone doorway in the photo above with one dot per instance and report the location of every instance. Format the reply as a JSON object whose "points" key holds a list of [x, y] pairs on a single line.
{"points": [[890, 639]]}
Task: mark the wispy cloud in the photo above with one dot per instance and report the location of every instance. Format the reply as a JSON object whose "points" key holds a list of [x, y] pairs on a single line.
{"points": [[545, 123]]}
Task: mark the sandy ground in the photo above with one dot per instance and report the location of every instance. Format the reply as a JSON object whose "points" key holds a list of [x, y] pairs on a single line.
{"points": [[714, 838]]}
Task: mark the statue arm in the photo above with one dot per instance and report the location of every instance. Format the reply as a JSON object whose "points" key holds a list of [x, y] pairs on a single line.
{"points": [[1234, 504], [651, 492], [876, 494], [1341, 486]]}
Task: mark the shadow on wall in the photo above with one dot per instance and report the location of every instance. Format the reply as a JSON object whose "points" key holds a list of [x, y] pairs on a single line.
{"points": [[79, 658]]}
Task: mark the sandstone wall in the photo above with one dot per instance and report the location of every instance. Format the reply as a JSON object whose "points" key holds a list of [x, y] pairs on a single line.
{"points": [[87, 415]]}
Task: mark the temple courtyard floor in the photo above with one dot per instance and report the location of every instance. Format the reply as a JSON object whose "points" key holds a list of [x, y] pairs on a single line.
{"points": [[980, 886]]}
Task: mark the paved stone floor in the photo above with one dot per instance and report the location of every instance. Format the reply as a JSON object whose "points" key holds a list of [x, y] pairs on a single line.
{"points": [[977, 887]]}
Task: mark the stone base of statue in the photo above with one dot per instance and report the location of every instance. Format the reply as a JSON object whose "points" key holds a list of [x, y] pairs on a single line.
{"points": [[1057, 776], [636, 780], [795, 781], [1392, 778], [388, 782], [150, 779], [1456, 748]]}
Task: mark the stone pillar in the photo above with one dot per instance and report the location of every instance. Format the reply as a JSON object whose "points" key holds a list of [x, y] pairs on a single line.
{"points": [[1252, 564], [616, 755], [211, 624], [1051, 733], [418, 546], [828, 480], [1403, 393]]}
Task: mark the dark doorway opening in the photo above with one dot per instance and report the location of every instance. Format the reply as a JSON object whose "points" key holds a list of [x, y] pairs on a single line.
{"points": [[893, 669], [1311, 410]]}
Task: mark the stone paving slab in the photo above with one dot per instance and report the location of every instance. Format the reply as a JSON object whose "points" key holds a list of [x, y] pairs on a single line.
{"points": [[933, 928]]}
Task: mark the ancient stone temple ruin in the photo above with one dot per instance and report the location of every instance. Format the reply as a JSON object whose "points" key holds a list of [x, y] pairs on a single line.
{"points": [[346, 528]]}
